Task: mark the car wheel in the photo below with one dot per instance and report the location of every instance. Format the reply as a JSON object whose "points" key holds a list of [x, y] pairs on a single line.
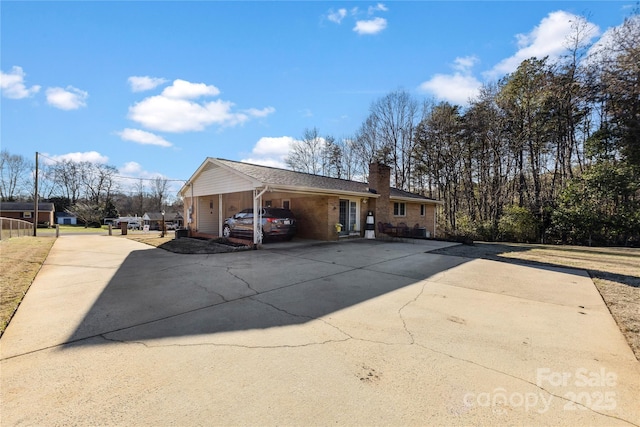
{"points": [[226, 231]]}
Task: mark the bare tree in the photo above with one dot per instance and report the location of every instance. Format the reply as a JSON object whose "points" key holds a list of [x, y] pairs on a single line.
{"points": [[14, 176], [69, 176], [99, 181], [387, 134], [310, 154], [139, 197], [159, 192], [88, 213]]}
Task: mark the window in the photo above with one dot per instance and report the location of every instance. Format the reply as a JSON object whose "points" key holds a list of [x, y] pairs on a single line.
{"points": [[26, 215], [399, 209], [423, 209], [286, 204], [268, 203]]}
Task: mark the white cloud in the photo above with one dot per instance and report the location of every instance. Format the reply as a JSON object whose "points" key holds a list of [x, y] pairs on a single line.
{"points": [[135, 170], [179, 115], [271, 151], [337, 16], [254, 112], [70, 98], [605, 46], [143, 137], [182, 89], [176, 111], [87, 156], [549, 38], [12, 84], [465, 63], [142, 83], [377, 8], [456, 88], [372, 26], [131, 168]]}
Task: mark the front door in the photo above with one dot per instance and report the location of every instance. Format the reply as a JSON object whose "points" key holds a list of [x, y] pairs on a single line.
{"points": [[348, 216]]}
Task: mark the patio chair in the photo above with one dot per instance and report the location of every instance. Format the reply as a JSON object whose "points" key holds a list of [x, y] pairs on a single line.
{"points": [[403, 230]]}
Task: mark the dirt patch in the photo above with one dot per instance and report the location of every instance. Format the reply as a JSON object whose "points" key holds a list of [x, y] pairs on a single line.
{"points": [[187, 245], [20, 261], [615, 273]]}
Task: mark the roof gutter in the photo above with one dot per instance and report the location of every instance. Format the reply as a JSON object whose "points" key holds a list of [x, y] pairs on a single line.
{"points": [[313, 190], [417, 200]]}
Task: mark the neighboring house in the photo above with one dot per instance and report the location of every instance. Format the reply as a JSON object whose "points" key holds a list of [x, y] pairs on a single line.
{"points": [[24, 211], [220, 188], [65, 218], [154, 219]]}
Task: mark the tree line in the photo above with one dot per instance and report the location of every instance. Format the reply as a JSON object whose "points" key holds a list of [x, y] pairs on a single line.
{"points": [[549, 153], [91, 191]]}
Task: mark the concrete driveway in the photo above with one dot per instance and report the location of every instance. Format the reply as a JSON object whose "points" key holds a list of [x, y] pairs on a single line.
{"points": [[114, 332]]}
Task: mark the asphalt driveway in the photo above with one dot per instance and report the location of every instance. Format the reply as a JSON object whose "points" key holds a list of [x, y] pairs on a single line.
{"points": [[114, 332]]}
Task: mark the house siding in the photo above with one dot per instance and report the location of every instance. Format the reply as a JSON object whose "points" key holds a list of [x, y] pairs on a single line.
{"points": [[218, 180], [42, 216]]}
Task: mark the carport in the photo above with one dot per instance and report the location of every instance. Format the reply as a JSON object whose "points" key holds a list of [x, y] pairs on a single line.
{"points": [[219, 189]]}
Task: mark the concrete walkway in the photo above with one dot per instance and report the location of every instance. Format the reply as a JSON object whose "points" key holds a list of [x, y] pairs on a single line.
{"points": [[114, 332]]}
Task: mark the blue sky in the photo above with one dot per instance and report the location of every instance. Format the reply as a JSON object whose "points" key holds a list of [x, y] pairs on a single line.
{"points": [[153, 88]]}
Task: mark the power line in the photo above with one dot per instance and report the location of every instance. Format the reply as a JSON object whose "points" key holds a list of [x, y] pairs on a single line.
{"points": [[120, 176]]}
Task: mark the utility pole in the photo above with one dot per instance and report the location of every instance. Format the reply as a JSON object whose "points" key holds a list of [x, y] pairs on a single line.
{"points": [[35, 201]]}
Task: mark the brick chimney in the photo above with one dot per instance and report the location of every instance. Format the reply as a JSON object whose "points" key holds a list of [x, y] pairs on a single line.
{"points": [[380, 183]]}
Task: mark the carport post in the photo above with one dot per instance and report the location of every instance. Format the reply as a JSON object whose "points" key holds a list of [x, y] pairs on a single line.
{"points": [[255, 219], [257, 216]]}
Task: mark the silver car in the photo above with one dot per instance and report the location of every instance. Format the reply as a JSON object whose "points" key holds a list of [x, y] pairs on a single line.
{"points": [[276, 223]]}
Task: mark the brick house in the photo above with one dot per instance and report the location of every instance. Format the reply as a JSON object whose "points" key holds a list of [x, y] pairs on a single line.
{"points": [[24, 211], [220, 188]]}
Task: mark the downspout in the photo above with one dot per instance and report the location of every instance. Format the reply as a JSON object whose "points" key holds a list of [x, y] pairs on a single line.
{"points": [[435, 211]]}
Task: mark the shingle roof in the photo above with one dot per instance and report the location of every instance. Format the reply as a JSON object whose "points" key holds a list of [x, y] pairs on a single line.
{"points": [[157, 216], [26, 206], [275, 176]]}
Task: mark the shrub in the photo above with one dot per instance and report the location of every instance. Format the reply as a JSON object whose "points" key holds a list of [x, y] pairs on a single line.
{"points": [[518, 224]]}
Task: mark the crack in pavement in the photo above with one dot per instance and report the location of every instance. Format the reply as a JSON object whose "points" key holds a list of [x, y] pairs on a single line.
{"points": [[460, 359], [212, 344], [228, 268], [326, 322], [404, 323]]}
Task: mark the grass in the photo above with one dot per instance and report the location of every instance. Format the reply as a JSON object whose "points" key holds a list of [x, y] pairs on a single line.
{"points": [[20, 261]]}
